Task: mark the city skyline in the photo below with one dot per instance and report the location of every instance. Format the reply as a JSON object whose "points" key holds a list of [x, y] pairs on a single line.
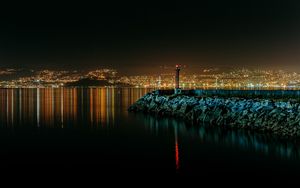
{"points": [[105, 77]]}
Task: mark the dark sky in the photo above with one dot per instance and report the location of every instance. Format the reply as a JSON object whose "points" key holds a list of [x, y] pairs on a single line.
{"points": [[140, 36]]}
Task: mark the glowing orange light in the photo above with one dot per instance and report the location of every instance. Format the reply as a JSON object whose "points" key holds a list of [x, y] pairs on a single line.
{"points": [[177, 155]]}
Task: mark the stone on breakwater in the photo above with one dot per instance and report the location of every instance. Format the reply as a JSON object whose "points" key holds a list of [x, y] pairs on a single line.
{"points": [[263, 115]]}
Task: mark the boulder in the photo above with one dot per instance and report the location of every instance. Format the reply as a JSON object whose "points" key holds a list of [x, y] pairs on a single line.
{"points": [[281, 118]]}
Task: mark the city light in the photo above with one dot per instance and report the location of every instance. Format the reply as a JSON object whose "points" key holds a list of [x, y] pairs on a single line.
{"points": [[239, 79]]}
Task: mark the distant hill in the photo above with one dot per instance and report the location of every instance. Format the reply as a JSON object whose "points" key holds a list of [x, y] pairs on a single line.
{"points": [[14, 74], [86, 82]]}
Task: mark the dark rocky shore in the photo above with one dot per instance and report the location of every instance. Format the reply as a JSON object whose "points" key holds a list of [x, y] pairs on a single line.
{"points": [[263, 115]]}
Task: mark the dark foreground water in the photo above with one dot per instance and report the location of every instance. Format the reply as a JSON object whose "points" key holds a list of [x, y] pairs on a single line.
{"points": [[69, 128]]}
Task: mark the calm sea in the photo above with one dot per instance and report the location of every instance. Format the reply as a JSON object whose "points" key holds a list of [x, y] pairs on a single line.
{"points": [[92, 128]]}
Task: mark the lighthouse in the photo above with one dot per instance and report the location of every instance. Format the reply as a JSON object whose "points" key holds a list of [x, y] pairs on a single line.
{"points": [[177, 89]]}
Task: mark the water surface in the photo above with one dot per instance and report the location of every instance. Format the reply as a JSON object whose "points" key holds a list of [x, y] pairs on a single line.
{"points": [[91, 127]]}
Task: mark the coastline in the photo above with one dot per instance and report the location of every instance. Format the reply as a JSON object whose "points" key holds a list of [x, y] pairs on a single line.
{"points": [[279, 117]]}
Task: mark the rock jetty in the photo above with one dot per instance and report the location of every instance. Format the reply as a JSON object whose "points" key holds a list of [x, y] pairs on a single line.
{"points": [[263, 115]]}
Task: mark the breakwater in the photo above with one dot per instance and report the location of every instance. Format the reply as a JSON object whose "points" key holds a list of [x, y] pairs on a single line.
{"points": [[262, 115], [274, 94]]}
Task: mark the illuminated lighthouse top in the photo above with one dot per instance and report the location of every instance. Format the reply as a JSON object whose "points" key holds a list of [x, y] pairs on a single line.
{"points": [[177, 89]]}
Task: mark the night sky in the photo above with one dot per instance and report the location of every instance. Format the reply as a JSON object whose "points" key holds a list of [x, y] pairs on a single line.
{"points": [[140, 36]]}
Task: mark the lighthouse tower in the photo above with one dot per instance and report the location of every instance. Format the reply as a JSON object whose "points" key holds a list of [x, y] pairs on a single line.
{"points": [[177, 89]]}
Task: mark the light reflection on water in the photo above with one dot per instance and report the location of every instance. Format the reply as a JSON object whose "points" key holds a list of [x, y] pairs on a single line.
{"points": [[102, 107], [237, 139], [61, 107]]}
